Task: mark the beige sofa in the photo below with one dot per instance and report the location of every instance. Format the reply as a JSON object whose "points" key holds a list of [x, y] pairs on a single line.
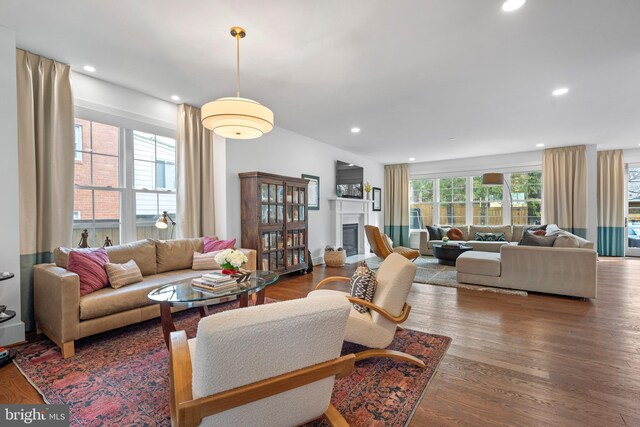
{"points": [[513, 234], [555, 270], [64, 316]]}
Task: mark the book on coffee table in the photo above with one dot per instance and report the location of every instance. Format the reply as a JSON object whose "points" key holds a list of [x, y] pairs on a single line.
{"points": [[212, 288]]}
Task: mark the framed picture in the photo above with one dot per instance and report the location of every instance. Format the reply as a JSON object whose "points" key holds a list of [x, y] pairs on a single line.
{"points": [[377, 199], [313, 194]]}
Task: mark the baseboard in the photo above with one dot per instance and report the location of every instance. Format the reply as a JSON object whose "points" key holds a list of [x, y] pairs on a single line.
{"points": [[12, 333]]}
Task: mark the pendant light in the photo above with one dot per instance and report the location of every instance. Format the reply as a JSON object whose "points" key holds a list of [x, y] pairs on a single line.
{"points": [[236, 117]]}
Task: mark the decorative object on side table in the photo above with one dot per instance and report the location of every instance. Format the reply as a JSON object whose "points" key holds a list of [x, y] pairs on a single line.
{"points": [[377, 199], [230, 260], [334, 258], [6, 354], [313, 191], [242, 275]]}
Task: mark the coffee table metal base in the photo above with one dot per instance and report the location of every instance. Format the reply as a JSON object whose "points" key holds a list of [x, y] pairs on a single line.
{"points": [[166, 317]]}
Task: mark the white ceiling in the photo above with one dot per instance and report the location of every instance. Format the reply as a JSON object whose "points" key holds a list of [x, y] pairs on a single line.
{"points": [[411, 73]]}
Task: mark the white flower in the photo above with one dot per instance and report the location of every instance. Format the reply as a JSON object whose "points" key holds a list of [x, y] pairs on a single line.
{"points": [[230, 256]]}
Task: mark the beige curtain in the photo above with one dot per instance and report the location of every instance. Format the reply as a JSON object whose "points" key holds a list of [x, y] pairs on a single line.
{"points": [[611, 202], [396, 204], [45, 153], [195, 175], [564, 188]]}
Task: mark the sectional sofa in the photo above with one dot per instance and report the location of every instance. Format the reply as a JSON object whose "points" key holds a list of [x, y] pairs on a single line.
{"points": [[64, 316]]}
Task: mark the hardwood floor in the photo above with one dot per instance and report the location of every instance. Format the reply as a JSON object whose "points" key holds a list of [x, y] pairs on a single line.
{"points": [[535, 360]]}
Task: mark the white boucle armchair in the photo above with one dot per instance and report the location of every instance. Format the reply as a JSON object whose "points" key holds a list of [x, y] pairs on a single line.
{"points": [[269, 365], [377, 327]]}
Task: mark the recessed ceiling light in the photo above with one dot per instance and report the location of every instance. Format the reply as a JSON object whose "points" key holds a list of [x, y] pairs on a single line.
{"points": [[351, 164], [539, 145], [452, 139], [560, 91], [89, 68], [412, 159], [175, 97], [355, 130], [511, 5]]}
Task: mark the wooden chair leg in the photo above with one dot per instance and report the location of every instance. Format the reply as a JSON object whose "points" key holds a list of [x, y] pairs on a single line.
{"points": [[334, 417], [68, 349], [393, 354]]}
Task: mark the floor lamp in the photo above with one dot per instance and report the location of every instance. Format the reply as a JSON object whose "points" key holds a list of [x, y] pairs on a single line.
{"points": [[495, 179], [163, 222]]}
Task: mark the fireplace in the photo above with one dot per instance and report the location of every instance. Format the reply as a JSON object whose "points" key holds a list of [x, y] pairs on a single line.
{"points": [[350, 238]]}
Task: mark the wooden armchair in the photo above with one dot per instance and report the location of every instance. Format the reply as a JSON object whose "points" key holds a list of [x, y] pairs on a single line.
{"points": [[245, 367], [377, 327], [380, 246]]}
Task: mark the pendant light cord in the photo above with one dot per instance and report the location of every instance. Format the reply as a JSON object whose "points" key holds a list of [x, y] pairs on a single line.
{"points": [[238, 65]]}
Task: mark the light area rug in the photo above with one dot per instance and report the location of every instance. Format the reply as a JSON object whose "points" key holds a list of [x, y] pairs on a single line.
{"points": [[121, 377], [431, 273]]}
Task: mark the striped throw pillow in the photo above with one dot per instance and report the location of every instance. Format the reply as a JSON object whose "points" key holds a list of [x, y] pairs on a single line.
{"points": [[363, 285], [206, 261], [123, 274]]}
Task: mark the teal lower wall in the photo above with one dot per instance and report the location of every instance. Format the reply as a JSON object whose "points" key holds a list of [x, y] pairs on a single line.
{"points": [[611, 241], [26, 285]]}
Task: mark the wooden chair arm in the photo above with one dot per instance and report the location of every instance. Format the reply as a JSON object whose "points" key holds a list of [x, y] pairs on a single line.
{"points": [[384, 313], [332, 279], [180, 373]]}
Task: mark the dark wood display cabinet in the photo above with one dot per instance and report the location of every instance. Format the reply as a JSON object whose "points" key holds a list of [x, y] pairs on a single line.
{"points": [[274, 220]]}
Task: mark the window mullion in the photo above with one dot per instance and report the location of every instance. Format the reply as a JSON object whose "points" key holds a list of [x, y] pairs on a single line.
{"points": [[506, 199], [128, 209], [436, 201], [469, 201]]}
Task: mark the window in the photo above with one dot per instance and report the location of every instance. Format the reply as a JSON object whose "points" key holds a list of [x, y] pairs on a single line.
{"points": [[78, 141], [109, 205], [487, 203], [97, 183], [526, 191], [453, 198], [421, 203]]}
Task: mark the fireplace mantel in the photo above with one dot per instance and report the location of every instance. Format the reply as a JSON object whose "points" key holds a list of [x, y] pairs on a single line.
{"points": [[350, 211]]}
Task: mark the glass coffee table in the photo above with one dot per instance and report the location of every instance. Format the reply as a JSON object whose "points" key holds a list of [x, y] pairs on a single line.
{"points": [[182, 294]]}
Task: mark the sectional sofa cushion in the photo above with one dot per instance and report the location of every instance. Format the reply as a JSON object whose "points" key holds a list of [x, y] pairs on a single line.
{"points": [[455, 234], [206, 261], [212, 244], [566, 241], [505, 229], [530, 239], [435, 232], [480, 263], [143, 252], [123, 274], [177, 254], [89, 266], [490, 237]]}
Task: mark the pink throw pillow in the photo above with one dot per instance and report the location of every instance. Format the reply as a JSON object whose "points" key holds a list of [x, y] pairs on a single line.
{"points": [[212, 244], [90, 267]]}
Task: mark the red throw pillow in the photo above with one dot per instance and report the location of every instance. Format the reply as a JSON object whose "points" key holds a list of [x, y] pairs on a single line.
{"points": [[540, 233], [90, 267], [455, 234], [212, 244]]}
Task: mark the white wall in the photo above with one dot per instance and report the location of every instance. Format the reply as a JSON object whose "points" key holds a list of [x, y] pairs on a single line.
{"points": [[13, 330], [101, 101], [284, 152]]}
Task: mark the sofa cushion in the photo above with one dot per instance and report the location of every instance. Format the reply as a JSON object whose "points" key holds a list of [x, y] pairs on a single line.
{"points": [[490, 237], [506, 229], [89, 266], [123, 274], [177, 254], [143, 252], [566, 241], [455, 234], [61, 255], [206, 261], [435, 232], [530, 239], [212, 244], [480, 263], [485, 246], [109, 301]]}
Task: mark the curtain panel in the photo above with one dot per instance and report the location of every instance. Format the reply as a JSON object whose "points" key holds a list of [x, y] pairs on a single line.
{"points": [[195, 175], [564, 188], [45, 156], [611, 202], [396, 204]]}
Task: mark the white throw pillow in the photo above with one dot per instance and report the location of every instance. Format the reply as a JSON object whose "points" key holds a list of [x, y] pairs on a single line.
{"points": [[206, 261], [123, 274]]}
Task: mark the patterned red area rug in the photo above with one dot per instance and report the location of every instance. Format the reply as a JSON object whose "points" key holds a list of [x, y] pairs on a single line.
{"points": [[121, 377]]}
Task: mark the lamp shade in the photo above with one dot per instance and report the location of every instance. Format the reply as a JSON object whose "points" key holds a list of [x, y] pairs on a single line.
{"points": [[492, 179], [237, 118], [162, 221]]}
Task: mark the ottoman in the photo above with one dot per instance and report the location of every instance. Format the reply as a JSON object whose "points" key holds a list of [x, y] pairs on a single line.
{"points": [[479, 268]]}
